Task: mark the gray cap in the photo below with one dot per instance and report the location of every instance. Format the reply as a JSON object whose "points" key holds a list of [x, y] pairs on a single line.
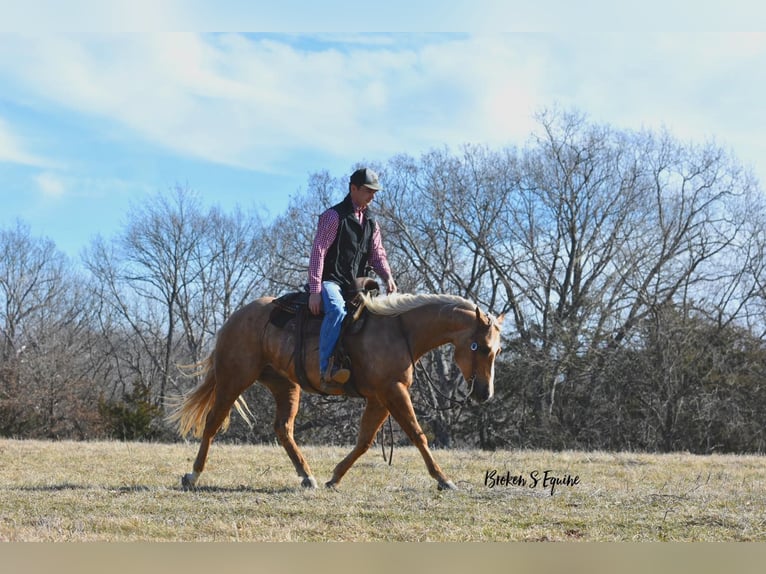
{"points": [[365, 177]]}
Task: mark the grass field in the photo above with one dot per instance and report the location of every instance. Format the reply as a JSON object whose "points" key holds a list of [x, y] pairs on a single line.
{"points": [[111, 491]]}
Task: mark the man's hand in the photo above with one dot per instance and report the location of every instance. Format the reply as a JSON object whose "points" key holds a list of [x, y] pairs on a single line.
{"points": [[315, 303], [391, 286]]}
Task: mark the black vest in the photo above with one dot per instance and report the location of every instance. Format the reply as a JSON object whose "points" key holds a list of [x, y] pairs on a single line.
{"points": [[347, 257]]}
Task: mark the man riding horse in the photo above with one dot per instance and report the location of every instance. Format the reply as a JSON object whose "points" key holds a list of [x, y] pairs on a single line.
{"points": [[347, 240], [397, 332]]}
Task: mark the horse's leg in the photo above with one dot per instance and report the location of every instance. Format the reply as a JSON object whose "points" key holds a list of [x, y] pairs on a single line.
{"points": [[397, 400], [218, 413], [372, 419], [287, 396]]}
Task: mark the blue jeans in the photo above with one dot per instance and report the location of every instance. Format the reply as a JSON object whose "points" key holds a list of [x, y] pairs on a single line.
{"points": [[334, 313]]}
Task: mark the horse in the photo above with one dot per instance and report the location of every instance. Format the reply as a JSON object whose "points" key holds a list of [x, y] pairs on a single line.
{"points": [[398, 330]]}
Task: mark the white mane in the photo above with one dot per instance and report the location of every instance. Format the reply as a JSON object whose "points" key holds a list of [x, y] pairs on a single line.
{"points": [[398, 303]]}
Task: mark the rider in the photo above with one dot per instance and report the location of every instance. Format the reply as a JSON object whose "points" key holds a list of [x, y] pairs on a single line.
{"points": [[347, 239]]}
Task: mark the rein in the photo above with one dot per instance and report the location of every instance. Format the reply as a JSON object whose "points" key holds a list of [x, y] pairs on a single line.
{"points": [[454, 403]]}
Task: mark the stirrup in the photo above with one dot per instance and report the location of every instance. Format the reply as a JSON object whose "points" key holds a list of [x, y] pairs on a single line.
{"points": [[337, 375], [331, 387], [333, 379]]}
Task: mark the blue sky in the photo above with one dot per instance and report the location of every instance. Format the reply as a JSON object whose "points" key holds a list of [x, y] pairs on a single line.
{"points": [[91, 121]]}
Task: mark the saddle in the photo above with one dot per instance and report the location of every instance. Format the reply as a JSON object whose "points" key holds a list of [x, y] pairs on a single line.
{"points": [[293, 307], [288, 306]]}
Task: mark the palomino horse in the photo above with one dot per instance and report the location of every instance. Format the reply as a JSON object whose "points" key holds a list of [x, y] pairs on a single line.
{"points": [[398, 331]]}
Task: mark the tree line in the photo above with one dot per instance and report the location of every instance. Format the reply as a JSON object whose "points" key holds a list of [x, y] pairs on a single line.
{"points": [[629, 264]]}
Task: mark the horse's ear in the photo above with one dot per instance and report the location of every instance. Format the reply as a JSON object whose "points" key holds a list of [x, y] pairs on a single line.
{"points": [[478, 313], [500, 319]]}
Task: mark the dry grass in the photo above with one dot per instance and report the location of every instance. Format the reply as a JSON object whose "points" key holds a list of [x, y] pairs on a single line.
{"points": [[109, 491]]}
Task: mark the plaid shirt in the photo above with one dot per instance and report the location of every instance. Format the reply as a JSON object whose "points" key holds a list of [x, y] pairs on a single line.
{"points": [[327, 230]]}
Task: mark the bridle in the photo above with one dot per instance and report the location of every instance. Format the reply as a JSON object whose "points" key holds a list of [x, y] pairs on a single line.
{"points": [[476, 348]]}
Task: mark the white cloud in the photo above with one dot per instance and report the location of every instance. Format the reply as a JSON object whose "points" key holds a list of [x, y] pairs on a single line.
{"points": [[51, 186], [12, 149], [243, 101], [255, 102]]}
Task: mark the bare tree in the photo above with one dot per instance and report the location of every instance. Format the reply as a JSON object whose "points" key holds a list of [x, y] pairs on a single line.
{"points": [[227, 267], [579, 237], [31, 279], [45, 321], [630, 266], [438, 215], [142, 275], [291, 235], [165, 284]]}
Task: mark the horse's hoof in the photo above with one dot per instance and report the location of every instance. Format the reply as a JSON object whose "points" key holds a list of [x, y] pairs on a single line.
{"points": [[330, 484], [187, 482], [448, 485], [309, 482]]}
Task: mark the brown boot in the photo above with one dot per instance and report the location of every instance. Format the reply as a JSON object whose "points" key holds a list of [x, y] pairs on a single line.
{"points": [[333, 380]]}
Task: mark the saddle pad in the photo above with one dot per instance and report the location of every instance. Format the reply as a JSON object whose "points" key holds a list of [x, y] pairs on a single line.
{"points": [[287, 307], [292, 302]]}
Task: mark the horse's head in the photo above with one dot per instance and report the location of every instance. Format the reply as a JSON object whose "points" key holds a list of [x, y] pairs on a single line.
{"points": [[475, 352]]}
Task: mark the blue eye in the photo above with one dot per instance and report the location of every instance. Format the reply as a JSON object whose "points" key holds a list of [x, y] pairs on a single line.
{"points": [[474, 346]]}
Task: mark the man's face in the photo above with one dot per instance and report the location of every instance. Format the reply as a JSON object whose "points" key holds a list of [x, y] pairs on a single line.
{"points": [[362, 195]]}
